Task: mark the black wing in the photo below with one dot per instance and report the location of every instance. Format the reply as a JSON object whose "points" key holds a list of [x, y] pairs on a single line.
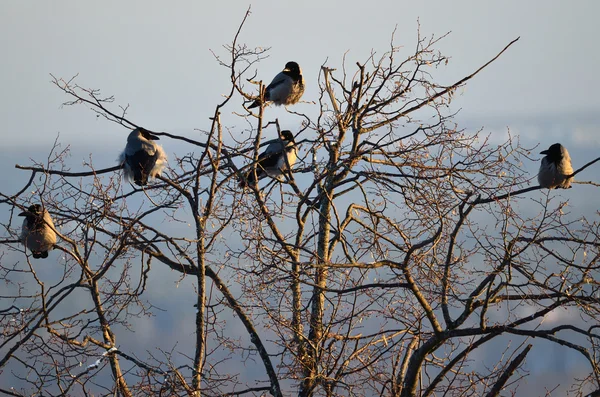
{"points": [[266, 160], [280, 79], [140, 163]]}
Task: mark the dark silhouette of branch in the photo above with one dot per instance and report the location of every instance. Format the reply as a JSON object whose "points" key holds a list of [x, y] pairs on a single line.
{"points": [[440, 93], [508, 372], [69, 174]]}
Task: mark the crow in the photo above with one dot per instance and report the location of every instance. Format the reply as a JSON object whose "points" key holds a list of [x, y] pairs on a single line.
{"points": [[555, 168], [274, 160], [142, 158], [37, 233], [286, 88]]}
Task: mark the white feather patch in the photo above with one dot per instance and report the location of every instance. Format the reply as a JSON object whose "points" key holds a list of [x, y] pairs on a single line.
{"points": [[161, 162]]}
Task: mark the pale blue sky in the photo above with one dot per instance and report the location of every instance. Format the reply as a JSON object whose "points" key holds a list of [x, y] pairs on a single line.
{"points": [[156, 58]]}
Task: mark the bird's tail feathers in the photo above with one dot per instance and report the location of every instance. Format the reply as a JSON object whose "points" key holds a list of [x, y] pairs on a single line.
{"points": [[140, 179], [246, 180], [135, 175], [243, 182]]}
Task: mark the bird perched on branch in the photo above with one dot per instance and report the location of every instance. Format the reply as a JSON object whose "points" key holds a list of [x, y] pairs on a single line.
{"points": [[142, 158], [279, 156], [286, 88], [37, 233], [555, 168]]}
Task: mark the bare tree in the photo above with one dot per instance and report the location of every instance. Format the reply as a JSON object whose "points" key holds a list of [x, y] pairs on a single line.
{"points": [[395, 250]]}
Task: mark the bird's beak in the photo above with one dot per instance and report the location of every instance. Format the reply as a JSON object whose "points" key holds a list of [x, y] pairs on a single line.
{"points": [[544, 152], [145, 133]]}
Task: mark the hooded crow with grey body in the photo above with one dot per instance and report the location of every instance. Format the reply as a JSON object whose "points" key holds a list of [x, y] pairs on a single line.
{"points": [[37, 233], [274, 160], [555, 168], [286, 88], [142, 158]]}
